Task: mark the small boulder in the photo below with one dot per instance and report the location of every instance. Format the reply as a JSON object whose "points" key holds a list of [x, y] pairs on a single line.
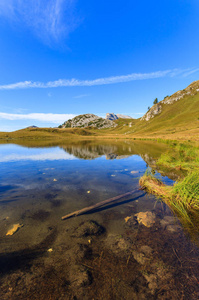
{"points": [[88, 228], [167, 220], [82, 251], [173, 228], [146, 218], [80, 277]]}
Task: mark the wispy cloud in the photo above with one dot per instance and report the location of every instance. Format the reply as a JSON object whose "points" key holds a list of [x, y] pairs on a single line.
{"points": [[49, 19], [42, 117], [95, 82], [190, 72]]}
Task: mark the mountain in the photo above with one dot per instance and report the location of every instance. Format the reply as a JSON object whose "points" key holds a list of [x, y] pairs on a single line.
{"points": [[176, 116], [32, 127], [123, 116], [191, 91], [112, 116], [88, 120]]}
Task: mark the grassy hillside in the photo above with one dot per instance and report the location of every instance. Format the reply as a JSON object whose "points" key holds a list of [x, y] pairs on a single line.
{"points": [[177, 120], [180, 116]]}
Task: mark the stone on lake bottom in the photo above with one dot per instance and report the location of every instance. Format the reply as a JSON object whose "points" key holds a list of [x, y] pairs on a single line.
{"points": [[146, 218]]}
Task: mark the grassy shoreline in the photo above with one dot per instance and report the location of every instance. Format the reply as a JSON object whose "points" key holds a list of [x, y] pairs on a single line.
{"points": [[183, 196]]}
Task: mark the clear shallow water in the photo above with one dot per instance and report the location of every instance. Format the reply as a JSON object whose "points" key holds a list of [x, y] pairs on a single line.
{"points": [[47, 259]]}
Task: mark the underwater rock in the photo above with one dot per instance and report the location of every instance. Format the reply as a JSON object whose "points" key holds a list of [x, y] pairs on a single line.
{"points": [[80, 277], [14, 229], [170, 223], [118, 244], [139, 257], [143, 255], [146, 250], [88, 228], [157, 275], [127, 218], [167, 220], [173, 228], [155, 272], [82, 251], [130, 221], [146, 218]]}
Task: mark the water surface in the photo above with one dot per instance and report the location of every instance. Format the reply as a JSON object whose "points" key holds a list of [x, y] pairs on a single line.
{"points": [[49, 258]]}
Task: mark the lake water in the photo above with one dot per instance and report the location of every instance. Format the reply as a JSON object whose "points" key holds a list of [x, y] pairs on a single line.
{"points": [[105, 254]]}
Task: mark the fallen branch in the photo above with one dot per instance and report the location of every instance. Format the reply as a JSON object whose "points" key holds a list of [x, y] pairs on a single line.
{"points": [[98, 205]]}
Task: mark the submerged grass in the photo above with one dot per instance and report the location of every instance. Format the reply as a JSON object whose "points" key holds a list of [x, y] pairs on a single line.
{"points": [[183, 196]]}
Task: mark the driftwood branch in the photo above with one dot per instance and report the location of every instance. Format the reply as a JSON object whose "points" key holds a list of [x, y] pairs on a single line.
{"points": [[98, 205]]}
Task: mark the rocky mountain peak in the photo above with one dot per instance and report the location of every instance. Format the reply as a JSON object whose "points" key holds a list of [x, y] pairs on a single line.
{"points": [[112, 116], [88, 120]]}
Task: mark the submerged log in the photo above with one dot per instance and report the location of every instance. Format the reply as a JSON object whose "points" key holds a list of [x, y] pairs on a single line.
{"points": [[98, 205]]}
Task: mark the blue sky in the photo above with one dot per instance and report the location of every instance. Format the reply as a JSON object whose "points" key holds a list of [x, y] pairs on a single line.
{"points": [[61, 58]]}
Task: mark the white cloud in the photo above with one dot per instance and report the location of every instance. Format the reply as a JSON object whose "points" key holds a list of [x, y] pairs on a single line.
{"points": [[42, 117], [48, 19], [190, 72], [94, 82], [99, 81], [43, 156]]}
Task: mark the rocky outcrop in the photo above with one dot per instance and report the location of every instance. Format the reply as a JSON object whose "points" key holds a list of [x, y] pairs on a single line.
{"points": [[156, 109], [123, 116], [31, 127], [153, 111], [88, 120], [94, 151], [112, 116]]}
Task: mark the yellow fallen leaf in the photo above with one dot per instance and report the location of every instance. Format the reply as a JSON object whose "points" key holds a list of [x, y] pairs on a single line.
{"points": [[14, 229], [50, 250], [88, 192], [54, 179], [126, 219], [89, 241]]}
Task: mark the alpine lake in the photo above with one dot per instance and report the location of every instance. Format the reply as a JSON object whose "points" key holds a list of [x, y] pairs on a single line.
{"points": [[133, 248]]}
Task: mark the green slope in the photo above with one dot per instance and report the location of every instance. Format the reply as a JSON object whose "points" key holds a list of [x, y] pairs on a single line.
{"points": [[180, 116]]}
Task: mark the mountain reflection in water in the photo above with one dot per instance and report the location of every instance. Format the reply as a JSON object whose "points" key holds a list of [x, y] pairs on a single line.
{"points": [[106, 254]]}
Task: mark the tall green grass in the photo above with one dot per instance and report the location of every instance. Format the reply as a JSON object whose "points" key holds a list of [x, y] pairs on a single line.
{"points": [[183, 196]]}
